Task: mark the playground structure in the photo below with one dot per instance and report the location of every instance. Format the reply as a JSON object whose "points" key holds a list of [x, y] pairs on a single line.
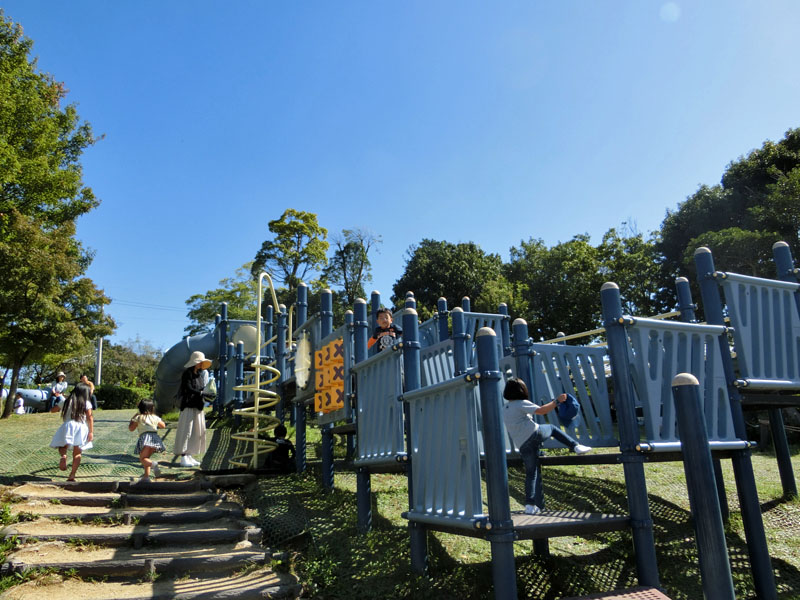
{"points": [[430, 407]]}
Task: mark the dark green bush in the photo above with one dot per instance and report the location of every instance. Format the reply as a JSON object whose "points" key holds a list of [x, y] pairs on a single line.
{"points": [[112, 397]]}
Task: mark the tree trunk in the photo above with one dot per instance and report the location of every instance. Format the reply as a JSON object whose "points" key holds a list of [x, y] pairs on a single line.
{"points": [[12, 390]]}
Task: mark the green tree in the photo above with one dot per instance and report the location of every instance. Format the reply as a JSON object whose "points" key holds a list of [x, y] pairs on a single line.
{"points": [[562, 282], [632, 263], [350, 267], [436, 269], [239, 292], [758, 194], [298, 248], [40, 142], [46, 305]]}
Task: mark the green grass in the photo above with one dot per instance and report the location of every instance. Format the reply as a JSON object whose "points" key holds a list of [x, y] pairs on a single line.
{"points": [[332, 560]]}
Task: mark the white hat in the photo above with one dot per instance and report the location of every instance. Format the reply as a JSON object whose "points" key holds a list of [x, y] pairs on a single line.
{"points": [[197, 357]]}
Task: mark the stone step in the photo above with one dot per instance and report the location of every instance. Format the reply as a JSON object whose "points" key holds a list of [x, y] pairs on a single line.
{"points": [[217, 531], [34, 508], [194, 498], [107, 487], [132, 562], [249, 585]]}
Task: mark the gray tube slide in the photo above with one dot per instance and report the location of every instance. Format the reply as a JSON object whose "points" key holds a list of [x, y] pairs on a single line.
{"points": [[170, 369]]}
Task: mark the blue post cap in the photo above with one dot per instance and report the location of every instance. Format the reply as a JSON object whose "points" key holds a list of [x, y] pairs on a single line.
{"points": [[684, 379]]}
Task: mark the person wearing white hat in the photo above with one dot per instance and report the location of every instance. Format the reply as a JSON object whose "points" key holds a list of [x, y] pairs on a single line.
{"points": [[57, 391], [190, 437]]}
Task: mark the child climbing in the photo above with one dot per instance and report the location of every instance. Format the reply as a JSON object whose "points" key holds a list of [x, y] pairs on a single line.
{"points": [[528, 436], [77, 429], [386, 333], [146, 424]]}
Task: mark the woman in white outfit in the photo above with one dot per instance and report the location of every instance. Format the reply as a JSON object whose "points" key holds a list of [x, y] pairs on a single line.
{"points": [[190, 438]]}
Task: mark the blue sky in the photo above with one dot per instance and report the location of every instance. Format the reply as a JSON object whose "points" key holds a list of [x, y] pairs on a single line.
{"points": [[458, 121]]}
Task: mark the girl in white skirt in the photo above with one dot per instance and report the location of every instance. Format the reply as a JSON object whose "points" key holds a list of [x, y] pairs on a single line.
{"points": [[77, 429], [146, 424]]}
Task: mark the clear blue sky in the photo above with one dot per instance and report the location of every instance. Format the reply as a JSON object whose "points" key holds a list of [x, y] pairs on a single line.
{"points": [[460, 121]]}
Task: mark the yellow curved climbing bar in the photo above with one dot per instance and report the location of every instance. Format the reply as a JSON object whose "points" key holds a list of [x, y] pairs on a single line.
{"points": [[263, 399]]}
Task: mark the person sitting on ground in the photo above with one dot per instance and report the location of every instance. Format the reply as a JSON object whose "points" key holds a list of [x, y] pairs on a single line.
{"points": [[19, 404], [386, 333], [281, 460], [57, 392], [528, 435]]}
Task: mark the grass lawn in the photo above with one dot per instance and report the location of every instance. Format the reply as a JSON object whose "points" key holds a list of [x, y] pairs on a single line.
{"points": [[317, 529], [333, 561]]}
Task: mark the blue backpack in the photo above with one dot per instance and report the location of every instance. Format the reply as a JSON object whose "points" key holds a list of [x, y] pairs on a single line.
{"points": [[567, 410]]}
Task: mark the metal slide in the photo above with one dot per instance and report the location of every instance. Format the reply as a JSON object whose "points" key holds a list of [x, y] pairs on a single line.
{"points": [[171, 367]]}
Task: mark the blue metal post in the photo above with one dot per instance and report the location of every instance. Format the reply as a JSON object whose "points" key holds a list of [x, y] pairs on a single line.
{"points": [[413, 380], [302, 304], [687, 308], [326, 328], [238, 395], [231, 381], [441, 316], [269, 331], [501, 535], [465, 304], [641, 521], [685, 304], [223, 358], [715, 569], [375, 304], [460, 341], [348, 382], [523, 360], [504, 328], [411, 301], [757, 549], [523, 352], [363, 481]]}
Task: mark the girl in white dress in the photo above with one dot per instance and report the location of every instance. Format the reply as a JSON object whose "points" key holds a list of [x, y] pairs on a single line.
{"points": [[77, 429]]}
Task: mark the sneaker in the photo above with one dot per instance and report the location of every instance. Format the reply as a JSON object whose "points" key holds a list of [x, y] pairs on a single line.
{"points": [[581, 449], [144, 479], [187, 461], [532, 509], [155, 469], [193, 460]]}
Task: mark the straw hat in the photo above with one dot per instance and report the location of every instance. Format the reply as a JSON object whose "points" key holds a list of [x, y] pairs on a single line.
{"points": [[196, 358], [61, 374]]}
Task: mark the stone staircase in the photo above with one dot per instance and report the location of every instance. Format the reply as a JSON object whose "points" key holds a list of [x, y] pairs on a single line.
{"points": [[119, 540]]}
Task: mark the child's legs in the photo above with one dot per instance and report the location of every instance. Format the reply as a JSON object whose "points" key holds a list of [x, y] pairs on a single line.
{"points": [[76, 461], [144, 458], [62, 463], [529, 452], [562, 437]]}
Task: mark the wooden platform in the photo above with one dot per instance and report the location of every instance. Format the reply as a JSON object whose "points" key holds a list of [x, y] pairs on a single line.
{"points": [[640, 593]]}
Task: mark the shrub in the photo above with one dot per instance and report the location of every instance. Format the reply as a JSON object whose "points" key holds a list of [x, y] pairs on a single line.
{"points": [[112, 397]]}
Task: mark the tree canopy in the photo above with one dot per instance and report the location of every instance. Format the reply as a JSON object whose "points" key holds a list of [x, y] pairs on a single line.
{"points": [[239, 292], [40, 142], [47, 306], [298, 248], [436, 269], [756, 204], [349, 267]]}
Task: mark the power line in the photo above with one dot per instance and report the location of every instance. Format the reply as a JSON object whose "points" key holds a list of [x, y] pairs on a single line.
{"points": [[136, 304]]}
